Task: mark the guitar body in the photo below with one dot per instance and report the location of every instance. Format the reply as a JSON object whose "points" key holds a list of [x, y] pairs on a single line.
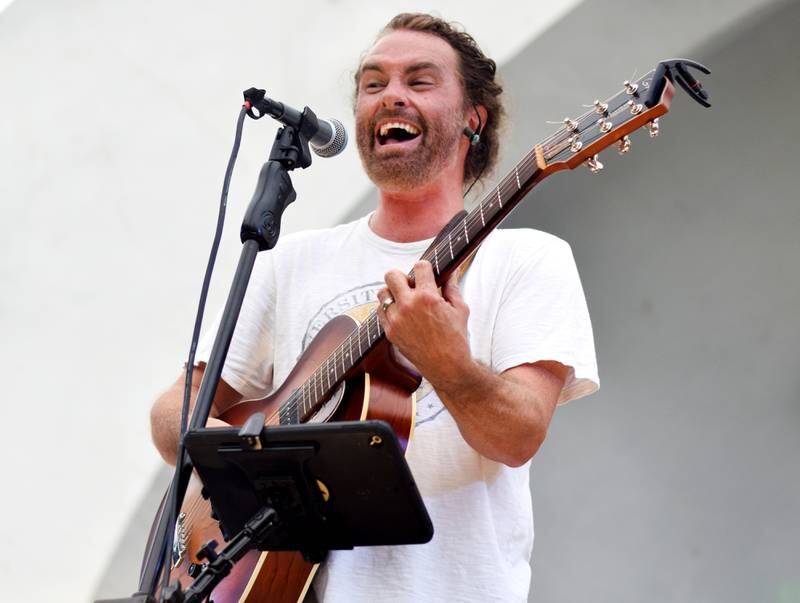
{"points": [[381, 387]]}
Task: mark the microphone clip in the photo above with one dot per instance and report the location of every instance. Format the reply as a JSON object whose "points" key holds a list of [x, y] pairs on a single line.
{"points": [[252, 98], [291, 146], [258, 104]]}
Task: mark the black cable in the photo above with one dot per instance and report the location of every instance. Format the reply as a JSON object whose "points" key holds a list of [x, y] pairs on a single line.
{"points": [[478, 177], [485, 160], [173, 503]]}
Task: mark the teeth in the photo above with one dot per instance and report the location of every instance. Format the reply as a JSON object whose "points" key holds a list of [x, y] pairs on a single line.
{"points": [[396, 124]]}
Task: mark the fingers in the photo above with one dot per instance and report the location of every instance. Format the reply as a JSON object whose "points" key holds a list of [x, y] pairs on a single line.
{"points": [[383, 295], [423, 276], [397, 284]]}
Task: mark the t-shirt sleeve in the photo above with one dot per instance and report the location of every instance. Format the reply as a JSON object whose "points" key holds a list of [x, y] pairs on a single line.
{"points": [[248, 365], [543, 316]]}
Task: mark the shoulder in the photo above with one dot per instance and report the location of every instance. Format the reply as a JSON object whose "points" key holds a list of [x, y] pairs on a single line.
{"points": [[520, 245], [310, 245], [302, 250], [316, 237]]}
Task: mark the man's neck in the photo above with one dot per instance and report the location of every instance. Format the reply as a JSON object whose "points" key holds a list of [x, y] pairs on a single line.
{"points": [[415, 215]]}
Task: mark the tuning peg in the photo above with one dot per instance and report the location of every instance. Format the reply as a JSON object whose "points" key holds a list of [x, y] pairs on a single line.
{"points": [[601, 108], [575, 144], [594, 164], [631, 88], [570, 125], [654, 128], [624, 145], [636, 108], [605, 125]]}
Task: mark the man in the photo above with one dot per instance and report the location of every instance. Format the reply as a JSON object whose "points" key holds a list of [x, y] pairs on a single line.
{"points": [[498, 351]]}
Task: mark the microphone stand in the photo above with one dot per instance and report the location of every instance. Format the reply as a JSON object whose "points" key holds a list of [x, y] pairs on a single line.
{"points": [[260, 230]]}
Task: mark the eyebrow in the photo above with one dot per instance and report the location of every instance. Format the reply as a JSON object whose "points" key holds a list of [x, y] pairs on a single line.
{"points": [[422, 65]]}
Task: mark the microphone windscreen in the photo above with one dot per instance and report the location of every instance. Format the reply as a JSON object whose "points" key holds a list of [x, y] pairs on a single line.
{"points": [[337, 142]]}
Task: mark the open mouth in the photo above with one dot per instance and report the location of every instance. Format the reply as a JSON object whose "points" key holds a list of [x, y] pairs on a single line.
{"points": [[396, 132]]}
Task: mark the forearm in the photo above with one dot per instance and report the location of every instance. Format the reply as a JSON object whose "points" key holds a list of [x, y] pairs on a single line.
{"points": [[500, 416], [165, 414]]}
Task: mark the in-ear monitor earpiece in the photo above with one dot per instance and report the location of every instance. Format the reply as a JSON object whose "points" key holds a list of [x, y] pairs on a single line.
{"points": [[474, 137]]}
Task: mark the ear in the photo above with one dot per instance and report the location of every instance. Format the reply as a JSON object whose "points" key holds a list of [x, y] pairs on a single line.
{"points": [[474, 112]]}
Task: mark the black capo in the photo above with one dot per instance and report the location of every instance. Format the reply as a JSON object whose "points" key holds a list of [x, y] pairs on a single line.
{"points": [[676, 70]]}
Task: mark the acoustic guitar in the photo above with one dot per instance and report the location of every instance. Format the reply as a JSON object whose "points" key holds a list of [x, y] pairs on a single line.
{"points": [[351, 372]]}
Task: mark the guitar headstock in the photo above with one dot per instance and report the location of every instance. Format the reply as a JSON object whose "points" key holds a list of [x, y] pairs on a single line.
{"points": [[638, 104]]}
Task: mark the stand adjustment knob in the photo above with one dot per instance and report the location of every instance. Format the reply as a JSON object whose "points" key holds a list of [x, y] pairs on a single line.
{"points": [[208, 551], [194, 570]]}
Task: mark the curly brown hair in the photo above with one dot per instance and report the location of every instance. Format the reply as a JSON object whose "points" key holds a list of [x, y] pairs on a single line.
{"points": [[477, 73]]}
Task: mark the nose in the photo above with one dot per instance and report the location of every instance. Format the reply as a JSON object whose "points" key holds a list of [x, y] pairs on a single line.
{"points": [[394, 95]]}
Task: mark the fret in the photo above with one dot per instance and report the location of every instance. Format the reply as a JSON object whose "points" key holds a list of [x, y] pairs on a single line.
{"points": [[466, 234], [369, 343], [303, 392], [450, 243], [358, 336], [344, 370], [499, 200], [436, 259], [327, 375], [516, 175], [480, 207]]}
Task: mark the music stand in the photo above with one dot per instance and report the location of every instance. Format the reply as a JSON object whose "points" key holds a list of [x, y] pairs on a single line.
{"points": [[309, 488]]}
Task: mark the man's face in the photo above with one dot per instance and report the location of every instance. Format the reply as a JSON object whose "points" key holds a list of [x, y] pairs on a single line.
{"points": [[409, 110]]}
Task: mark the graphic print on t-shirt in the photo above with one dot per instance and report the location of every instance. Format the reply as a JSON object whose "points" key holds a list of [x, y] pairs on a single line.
{"points": [[429, 406], [359, 302]]}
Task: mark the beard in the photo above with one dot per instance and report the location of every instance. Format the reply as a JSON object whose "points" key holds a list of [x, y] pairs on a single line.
{"points": [[406, 170]]}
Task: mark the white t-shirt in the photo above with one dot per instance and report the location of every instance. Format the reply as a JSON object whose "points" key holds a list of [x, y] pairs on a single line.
{"points": [[526, 304]]}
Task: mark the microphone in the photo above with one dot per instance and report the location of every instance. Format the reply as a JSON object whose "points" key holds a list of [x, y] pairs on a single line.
{"points": [[327, 137]]}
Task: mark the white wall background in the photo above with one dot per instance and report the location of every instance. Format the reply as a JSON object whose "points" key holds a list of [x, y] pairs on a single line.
{"points": [[116, 120]]}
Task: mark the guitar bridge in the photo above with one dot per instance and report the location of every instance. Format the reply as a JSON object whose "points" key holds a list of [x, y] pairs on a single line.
{"points": [[179, 541]]}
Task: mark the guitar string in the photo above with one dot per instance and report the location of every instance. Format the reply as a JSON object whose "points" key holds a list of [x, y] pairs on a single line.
{"points": [[504, 187], [549, 145]]}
